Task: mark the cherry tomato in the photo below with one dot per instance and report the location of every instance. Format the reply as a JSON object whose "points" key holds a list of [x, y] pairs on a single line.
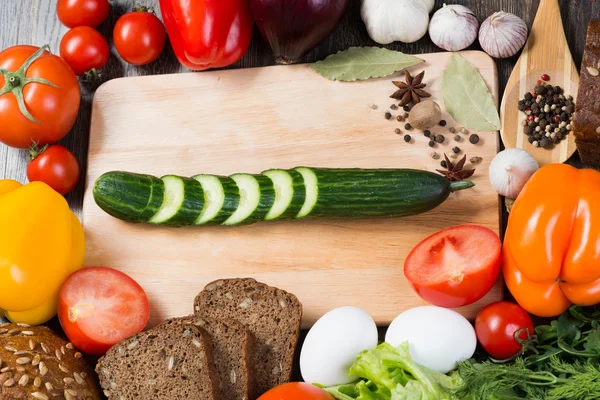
{"points": [[56, 166], [496, 326], [296, 391], [98, 307], [139, 37], [85, 49], [456, 266], [74, 13], [50, 106]]}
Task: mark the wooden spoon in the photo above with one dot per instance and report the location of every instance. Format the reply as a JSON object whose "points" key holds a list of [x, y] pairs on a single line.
{"points": [[546, 52]]}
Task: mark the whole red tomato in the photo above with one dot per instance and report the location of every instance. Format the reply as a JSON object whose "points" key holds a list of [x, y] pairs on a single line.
{"points": [[73, 13], [496, 326], [456, 266], [296, 391], [139, 36], [85, 49], [50, 93], [56, 166]]}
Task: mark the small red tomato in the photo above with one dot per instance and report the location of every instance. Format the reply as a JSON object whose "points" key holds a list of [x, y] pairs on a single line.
{"points": [[456, 266], [296, 391], [496, 325], [85, 50], [73, 13], [98, 307], [139, 37], [56, 166]]}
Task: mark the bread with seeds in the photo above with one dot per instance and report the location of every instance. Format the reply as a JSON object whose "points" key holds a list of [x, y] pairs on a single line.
{"points": [[233, 354], [272, 315], [35, 363], [164, 363]]}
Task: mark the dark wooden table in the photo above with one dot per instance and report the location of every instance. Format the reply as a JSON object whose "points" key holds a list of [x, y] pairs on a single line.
{"points": [[34, 22]]}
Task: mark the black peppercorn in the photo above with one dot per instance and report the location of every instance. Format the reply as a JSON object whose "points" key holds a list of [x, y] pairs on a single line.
{"points": [[431, 143], [535, 106], [388, 115], [408, 127], [559, 136], [394, 107], [406, 108], [557, 89], [407, 138], [563, 130], [400, 118], [452, 129], [398, 131], [443, 164], [457, 138], [427, 132], [530, 103], [543, 123], [528, 96], [541, 89], [531, 139], [528, 130], [564, 117], [522, 106], [474, 138], [456, 150], [544, 142], [442, 123], [440, 138]]}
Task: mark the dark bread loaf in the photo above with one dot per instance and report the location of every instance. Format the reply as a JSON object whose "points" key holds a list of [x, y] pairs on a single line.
{"points": [[233, 354], [164, 363], [586, 121], [272, 315], [35, 363]]}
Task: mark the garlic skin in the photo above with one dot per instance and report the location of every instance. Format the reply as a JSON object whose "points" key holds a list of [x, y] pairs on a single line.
{"points": [[453, 27], [510, 170], [388, 21], [502, 35]]}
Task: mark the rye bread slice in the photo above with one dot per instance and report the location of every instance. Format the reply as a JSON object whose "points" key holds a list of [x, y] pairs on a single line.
{"points": [[272, 315], [233, 354], [164, 363]]}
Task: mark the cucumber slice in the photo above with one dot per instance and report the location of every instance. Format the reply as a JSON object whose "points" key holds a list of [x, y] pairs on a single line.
{"points": [[289, 193], [221, 198], [312, 191], [183, 202], [257, 196]]}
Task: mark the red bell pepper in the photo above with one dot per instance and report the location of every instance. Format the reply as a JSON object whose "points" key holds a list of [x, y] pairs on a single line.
{"points": [[208, 33]]}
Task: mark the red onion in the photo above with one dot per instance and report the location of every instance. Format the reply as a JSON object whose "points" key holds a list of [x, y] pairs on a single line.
{"points": [[295, 27]]}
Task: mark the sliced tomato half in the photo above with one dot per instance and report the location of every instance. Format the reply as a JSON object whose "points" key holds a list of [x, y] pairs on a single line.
{"points": [[456, 266], [99, 307]]}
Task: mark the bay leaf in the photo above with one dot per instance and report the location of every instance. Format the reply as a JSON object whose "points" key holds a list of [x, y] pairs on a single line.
{"points": [[466, 96], [357, 63]]}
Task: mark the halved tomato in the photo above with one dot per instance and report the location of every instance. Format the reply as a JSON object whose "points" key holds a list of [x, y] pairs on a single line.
{"points": [[98, 307], [456, 266], [296, 391]]}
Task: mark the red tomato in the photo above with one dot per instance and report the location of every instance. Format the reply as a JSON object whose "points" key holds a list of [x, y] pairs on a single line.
{"points": [[139, 37], [98, 307], [74, 13], [85, 49], [296, 391], [49, 110], [456, 266], [496, 325], [57, 167]]}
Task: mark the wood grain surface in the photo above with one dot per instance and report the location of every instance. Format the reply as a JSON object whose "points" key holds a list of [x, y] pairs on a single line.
{"points": [[546, 38], [34, 22], [250, 120]]}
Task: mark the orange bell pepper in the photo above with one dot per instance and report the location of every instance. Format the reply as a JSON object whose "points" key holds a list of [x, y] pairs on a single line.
{"points": [[551, 254]]}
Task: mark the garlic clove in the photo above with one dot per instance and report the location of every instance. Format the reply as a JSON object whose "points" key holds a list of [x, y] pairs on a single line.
{"points": [[510, 170], [453, 27], [503, 34]]}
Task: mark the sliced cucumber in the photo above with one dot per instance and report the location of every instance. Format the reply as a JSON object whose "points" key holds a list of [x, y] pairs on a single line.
{"points": [[182, 203], [257, 196], [289, 193], [221, 198], [311, 191]]}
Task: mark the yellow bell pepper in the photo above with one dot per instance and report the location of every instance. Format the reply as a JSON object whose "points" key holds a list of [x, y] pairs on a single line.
{"points": [[41, 244]]}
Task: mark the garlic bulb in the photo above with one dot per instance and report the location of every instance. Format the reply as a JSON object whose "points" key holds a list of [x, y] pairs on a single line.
{"points": [[396, 20], [453, 27], [502, 35], [510, 170]]}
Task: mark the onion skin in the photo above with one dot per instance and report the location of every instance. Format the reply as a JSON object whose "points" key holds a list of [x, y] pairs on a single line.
{"points": [[502, 35], [295, 27]]}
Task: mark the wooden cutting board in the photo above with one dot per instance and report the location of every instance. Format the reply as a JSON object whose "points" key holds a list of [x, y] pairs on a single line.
{"points": [[250, 120]]}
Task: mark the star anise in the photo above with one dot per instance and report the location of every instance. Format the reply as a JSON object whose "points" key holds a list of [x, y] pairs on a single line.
{"points": [[455, 173], [411, 90]]}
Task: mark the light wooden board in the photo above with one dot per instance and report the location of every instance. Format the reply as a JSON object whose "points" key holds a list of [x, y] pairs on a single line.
{"points": [[276, 117], [546, 52]]}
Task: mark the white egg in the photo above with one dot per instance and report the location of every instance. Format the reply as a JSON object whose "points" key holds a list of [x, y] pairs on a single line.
{"points": [[438, 338], [333, 343]]}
